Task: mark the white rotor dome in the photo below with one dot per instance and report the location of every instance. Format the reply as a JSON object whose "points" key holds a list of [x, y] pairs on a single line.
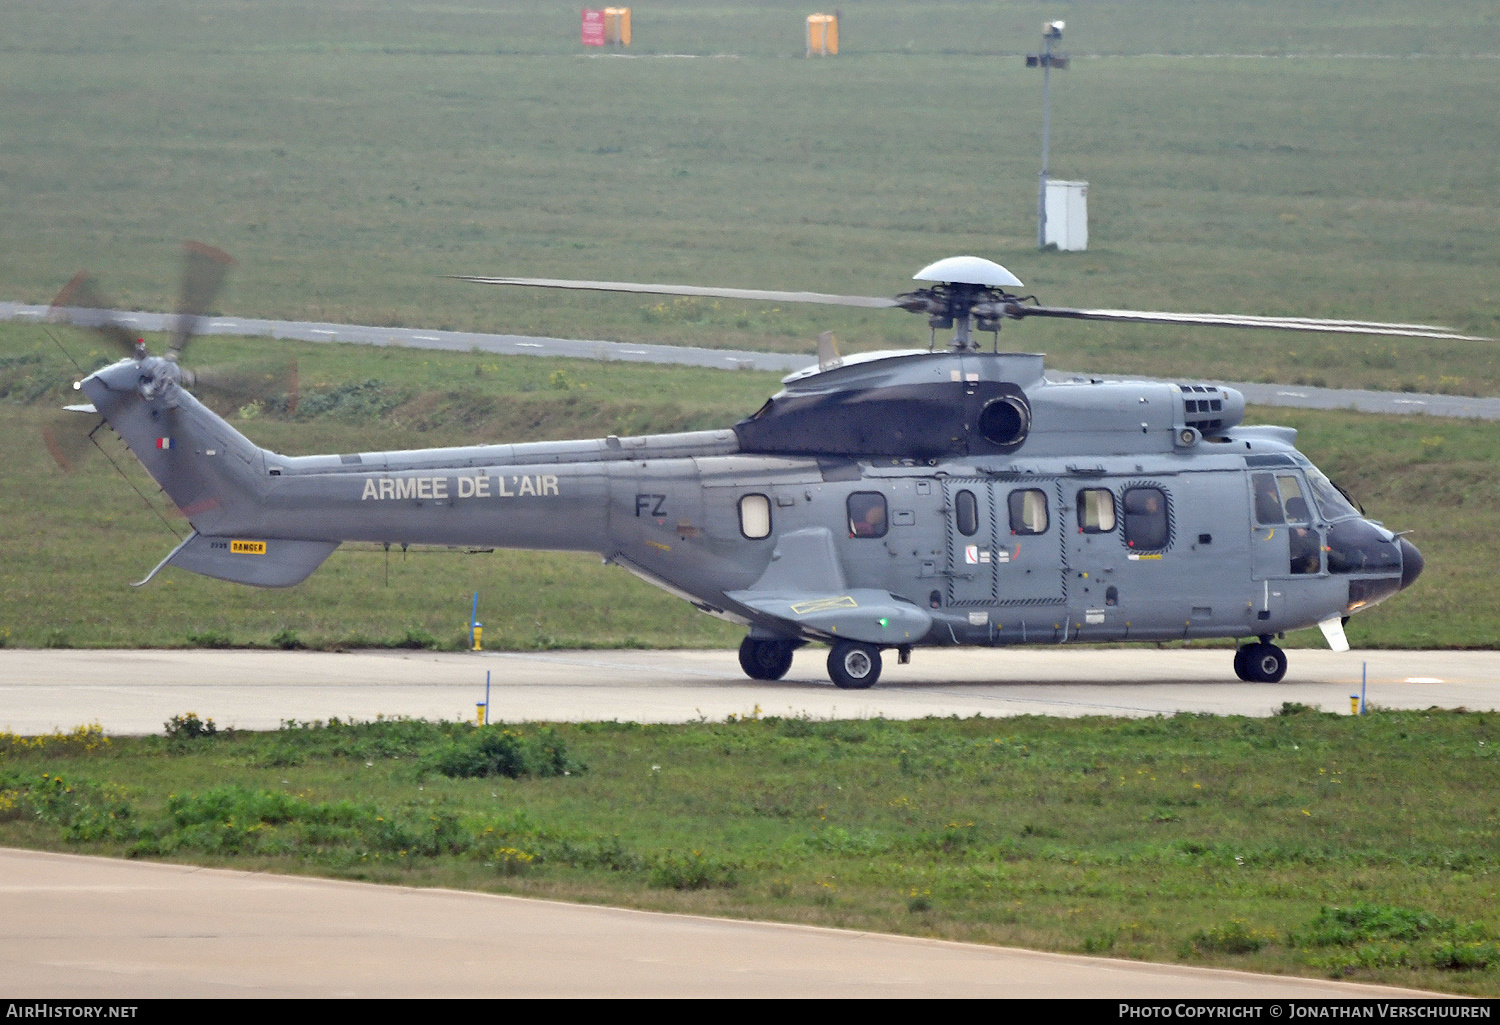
{"points": [[968, 270]]}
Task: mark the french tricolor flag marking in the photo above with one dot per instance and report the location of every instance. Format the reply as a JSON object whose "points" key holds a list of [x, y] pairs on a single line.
{"points": [[163, 442]]}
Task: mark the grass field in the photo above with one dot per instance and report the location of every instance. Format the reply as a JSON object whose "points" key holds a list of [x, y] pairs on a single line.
{"points": [[1312, 844], [352, 154], [74, 542]]}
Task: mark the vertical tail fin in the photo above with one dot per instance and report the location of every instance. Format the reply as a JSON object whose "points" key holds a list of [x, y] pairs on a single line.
{"points": [[211, 472]]}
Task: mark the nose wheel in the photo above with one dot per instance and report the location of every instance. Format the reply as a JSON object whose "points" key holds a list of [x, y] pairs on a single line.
{"points": [[854, 666], [1261, 662], [766, 659]]}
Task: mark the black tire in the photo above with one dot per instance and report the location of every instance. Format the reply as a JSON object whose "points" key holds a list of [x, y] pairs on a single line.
{"points": [[1264, 663], [854, 666], [1242, 662], [765, 659]]}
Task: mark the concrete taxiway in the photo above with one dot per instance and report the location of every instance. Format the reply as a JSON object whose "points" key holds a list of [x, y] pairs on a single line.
{"points": [[97, 928], [134, 692]]}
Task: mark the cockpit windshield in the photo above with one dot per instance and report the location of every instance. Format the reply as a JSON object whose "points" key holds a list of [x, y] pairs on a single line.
{"points": [[1331, 501]]}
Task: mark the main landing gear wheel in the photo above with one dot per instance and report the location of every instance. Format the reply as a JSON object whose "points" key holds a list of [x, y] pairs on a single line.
{"points": [[854, 666], [765, 659], [1260, 663]]}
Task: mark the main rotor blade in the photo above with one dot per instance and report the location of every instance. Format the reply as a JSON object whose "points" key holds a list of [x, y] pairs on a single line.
{"points": [[81, 303], [203, 271], [1312, 324], [761, 295], [1346, 327]]}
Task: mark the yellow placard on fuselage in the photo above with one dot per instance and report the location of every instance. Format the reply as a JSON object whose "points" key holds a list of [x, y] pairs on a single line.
{"points": [[807, 608], [247, 547]]}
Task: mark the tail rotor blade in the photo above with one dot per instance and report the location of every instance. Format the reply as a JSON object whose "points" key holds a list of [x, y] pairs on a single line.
{"points": [[69, 436], [203, 272], [269, 381], [82, 303]]}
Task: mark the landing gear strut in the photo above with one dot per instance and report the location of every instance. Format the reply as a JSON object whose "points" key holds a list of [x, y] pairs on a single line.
{"points": [[1261, 662], [766, 658]]}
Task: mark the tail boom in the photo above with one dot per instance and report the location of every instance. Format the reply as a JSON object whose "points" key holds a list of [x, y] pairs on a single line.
{"points": [[266, 519]]}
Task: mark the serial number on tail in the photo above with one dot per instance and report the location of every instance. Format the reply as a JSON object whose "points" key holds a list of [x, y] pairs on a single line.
{"points": [[538, 485]]}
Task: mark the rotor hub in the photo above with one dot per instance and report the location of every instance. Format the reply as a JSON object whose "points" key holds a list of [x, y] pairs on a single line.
{"points": [[964, 307]]}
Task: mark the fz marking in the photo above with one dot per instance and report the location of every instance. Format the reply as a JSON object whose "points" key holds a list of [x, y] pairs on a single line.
{"points": [[655, 503]]}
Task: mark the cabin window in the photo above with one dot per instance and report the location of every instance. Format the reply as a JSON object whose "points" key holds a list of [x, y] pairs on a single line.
{"points": [[1096, 511], [867, 514], [1028, 512], [755, 516], [1267, 499], [1146, 518], [966, 512]]}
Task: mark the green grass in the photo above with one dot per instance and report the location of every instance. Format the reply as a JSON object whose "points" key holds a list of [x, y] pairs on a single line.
{"points": [[75, 542], [351, 155], [1306, 843]]}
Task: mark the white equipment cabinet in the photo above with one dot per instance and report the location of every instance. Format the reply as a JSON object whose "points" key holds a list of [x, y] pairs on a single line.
{"points": [[1067, 215]]}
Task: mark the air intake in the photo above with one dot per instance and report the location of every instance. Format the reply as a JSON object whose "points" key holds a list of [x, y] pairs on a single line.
{"points": [[1209, 409]]}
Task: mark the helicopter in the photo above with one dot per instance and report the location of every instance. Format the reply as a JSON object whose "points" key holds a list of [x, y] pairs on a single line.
{"points": [[881, 502]]}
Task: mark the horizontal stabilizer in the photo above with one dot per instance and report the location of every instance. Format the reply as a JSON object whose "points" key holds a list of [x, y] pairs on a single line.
{"points": [[861, 614], [260, 563]]}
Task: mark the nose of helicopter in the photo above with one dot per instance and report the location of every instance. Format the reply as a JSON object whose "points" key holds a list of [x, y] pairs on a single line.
{"points": [[1411, 563]]}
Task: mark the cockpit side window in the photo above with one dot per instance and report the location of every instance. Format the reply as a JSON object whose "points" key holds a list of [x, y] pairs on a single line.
{"points": [[1292, 501], [1330, 501], [1267, 498], [867, 514], [1304, 545]]}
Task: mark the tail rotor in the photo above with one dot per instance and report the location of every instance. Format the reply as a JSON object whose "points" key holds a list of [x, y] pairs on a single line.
{"points": [[82, 304], [68, 437], [203, 271]]}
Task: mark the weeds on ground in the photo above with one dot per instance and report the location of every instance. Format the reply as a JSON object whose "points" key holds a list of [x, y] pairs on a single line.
{"points": [[1026, 831]]}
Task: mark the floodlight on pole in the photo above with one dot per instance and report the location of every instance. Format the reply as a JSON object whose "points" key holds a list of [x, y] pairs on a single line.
{"points": [[1047, 60]]}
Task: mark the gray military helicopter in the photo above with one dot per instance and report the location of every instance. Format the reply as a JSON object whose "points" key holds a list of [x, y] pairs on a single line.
{"points": [[880, 501]]}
